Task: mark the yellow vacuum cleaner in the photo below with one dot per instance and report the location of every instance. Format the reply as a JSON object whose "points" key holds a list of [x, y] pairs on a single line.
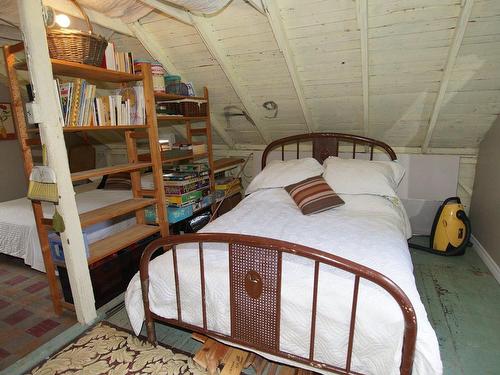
{"points": [[451, 230]]}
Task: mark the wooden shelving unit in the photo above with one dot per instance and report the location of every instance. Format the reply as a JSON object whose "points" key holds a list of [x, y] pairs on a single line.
{"points": [[199, 132], [99, 250]]}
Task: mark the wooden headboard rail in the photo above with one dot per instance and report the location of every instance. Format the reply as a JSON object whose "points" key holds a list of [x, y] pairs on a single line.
{"points": [[326, 144]]}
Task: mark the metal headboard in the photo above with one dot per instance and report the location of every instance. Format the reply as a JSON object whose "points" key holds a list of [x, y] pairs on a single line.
{"points": [[327, 144]]}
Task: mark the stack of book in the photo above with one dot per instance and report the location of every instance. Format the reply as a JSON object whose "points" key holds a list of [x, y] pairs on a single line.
{"points": [[81, 106], [120, 61], [187, 190], [225, 186], [186, 184]]}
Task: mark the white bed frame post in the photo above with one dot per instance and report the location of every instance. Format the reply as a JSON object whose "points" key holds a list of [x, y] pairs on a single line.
{"points": [[46, 113]]}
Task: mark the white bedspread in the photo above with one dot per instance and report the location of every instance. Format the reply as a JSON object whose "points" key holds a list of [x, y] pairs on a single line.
{"points": [[370, 230], [18, 235]]}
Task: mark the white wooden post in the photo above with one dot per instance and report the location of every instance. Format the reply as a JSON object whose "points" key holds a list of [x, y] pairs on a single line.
{"points": [[37, 54]]}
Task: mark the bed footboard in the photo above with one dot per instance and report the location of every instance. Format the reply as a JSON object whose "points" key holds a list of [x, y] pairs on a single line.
{"points": [[255, 265]]}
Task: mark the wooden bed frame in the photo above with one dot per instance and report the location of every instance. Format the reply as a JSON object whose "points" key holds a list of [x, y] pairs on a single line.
{"points": [[255, 276]]}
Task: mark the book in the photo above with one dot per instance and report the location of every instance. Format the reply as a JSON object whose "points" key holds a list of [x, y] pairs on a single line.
{"points": [[184, 182], [176, 190], [75, 102], [184, 198]]}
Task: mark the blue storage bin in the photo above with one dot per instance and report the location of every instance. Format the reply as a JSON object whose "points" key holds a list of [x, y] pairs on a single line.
{"points": [[56, 248]]}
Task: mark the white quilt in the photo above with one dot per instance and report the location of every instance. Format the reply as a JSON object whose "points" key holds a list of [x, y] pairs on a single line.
{"points": [[370, 230], [18, 235]]}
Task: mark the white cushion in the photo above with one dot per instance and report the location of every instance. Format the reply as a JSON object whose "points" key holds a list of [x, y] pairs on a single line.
{"points": [[357, 176], [278, 174]]}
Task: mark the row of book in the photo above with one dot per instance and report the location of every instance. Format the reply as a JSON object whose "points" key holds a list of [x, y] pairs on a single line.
{"points": [[80, 105], [120, 61]]}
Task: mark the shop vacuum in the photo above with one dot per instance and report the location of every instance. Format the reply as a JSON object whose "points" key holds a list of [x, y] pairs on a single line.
{"points": [[451, 230]]}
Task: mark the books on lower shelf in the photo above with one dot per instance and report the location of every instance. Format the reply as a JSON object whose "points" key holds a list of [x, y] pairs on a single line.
{"points": [[176, 214], [186, 184], [81, 106]]}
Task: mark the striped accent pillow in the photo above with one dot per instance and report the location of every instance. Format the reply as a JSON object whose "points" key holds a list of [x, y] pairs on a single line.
{"points": [[314, 195]]}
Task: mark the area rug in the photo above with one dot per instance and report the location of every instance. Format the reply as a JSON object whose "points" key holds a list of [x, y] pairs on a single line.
{"points": [[26, 311], [105, 349]]}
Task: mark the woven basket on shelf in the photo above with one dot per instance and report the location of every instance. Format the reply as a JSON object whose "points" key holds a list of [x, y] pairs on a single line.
{"points": [[75, 45]]}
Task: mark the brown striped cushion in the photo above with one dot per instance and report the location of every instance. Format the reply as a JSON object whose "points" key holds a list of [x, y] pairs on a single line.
{"points": [[314, 195]]}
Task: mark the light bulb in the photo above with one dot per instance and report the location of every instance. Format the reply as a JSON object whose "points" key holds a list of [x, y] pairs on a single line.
{"points": [[63, 20]]}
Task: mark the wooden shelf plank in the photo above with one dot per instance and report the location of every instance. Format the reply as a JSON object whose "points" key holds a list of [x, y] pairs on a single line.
{"points": [[165, 96], [84, 175], [114, 210], [147, 157], [118, 241], [70, 129], [227, 163], [100, 128], [90, 72], [181, 118]]}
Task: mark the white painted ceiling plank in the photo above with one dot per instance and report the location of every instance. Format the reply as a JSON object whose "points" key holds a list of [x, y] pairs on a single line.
{"points": [[362, 16], [450, 63], [213, 46], [158, 53], [273, 14]]}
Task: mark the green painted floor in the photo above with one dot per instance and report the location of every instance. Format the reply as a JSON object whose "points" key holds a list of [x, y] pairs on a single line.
{"points": [[462, 300], [461, 297]]}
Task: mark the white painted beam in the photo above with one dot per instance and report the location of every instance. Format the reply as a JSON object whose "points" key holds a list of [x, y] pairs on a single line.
{"points": [[178, 13], [152, 46], [246, 148], [257, 5], [274, 17], [206, 34], [50, 124], [65, 6], [458, 37], [159, 54], [362, 17]]}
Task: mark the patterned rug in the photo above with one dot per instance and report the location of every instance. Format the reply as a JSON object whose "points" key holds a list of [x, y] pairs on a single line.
{"points": [[25, 311], [105, 349]]}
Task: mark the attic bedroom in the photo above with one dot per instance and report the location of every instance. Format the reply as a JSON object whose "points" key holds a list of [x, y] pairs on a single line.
{"points": [[266, 187]]}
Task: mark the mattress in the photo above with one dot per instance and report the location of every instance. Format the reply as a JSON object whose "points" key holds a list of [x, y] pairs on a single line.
{"points": [[18, 235], [370, 230]]}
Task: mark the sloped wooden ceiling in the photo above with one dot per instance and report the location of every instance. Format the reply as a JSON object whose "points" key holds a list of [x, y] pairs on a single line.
{"points": [[415, 73]]}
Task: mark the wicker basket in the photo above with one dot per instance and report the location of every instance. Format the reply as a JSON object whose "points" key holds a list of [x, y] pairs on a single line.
{"points": [[75, 45]]}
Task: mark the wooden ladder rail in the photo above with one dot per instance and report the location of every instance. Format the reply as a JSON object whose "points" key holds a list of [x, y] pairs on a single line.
{"points": [[208, 134], [155, 151], [23, 137]]}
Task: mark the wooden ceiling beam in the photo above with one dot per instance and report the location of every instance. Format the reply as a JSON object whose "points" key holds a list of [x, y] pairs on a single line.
{"points": [[159, 54], [214, 47], [458, 37], [274, 17], [178, 13], [257, 5], [97, 18], [362, 17]]}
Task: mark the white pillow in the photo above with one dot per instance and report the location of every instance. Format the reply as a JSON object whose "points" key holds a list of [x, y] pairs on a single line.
{"points": [[278, 174], [357, 176]]}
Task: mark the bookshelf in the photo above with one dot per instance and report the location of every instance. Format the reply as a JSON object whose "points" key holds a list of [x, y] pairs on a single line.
{"points": [[200, 134], [101, 250]]}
